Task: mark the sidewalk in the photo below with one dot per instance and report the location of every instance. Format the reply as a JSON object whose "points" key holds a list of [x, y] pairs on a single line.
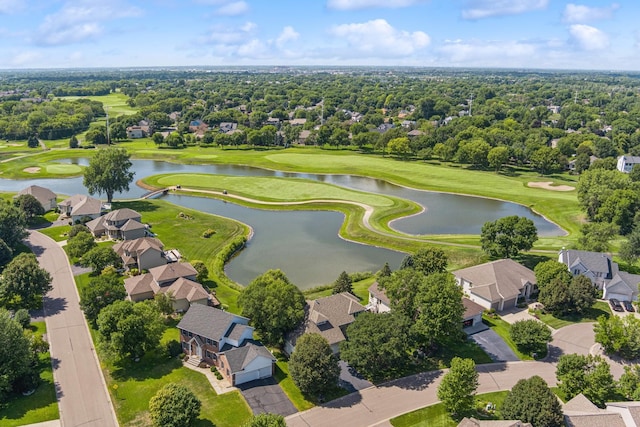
{"points": [[52, 423], [220, 386]]}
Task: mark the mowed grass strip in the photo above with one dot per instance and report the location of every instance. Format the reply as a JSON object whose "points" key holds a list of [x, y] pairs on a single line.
{"points": [[40, 406], [116, 103]]}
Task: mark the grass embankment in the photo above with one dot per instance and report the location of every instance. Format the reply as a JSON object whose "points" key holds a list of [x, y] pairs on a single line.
{"points": [[503, 329], [599, 308], [40, 406], [437, 416], [185, 234]]}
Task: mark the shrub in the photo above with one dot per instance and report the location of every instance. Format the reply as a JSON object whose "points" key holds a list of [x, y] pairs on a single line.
{"points": [[208, 233], [22, 316], [173, 348]]}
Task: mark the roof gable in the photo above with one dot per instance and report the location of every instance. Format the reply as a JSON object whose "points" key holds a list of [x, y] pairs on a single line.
{"points": [[209, 322], [503, 278]]}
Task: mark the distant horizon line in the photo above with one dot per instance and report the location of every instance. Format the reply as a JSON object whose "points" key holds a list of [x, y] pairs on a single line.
{"points": [[317, 67]]}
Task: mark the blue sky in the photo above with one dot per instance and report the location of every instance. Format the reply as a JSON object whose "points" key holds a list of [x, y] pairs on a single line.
{"points": [[450, 33]]}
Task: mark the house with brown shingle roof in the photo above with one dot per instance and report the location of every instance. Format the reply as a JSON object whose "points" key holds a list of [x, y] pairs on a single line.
{"points": [[473, 422], [46, 197], [225, 340], [80, 207], [496, 285], [329, 316], [121, 224], [580, 412], [178, 279], [142, 253]]}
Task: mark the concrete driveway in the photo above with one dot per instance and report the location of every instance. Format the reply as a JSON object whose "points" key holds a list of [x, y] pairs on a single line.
{"points": [[266, 396], [350, 380], [494, 346]]}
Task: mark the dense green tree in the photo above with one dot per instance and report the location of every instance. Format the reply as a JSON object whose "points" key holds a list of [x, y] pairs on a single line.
{"points": [[582, 162], [102, 291], [77, 228], [174, 405], [629, 249], [16, 357], [80, 244], [100, 257], [377, 345], [589, 375], [399, 147], [620, 209], [128, 329], [6, 254], [33, 142], [165, 302], [547, 160], [266, 420], [272, 289], [23, 283], [595, 236], [29, 205], [73, 142], [547, 271], [313, 367], [619, 336], [556, 298], [474, 152], [108, 172], [429, 260], [97, 135], [629, 382], [203, 271], [23, 317], [343, 284], [13, 224], [497, 157], [582, 294], [458, 387], [596, 185], [530, 336], [532, 401], [506, 237], [385, 271], [402, 288]]}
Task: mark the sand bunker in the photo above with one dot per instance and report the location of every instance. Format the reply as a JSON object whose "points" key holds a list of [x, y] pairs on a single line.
{"points": [[548, 186], [33, 169]]}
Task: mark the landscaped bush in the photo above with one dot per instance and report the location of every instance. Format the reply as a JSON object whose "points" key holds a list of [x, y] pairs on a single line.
{"points": [[22, 316], [360, 275], [208, 233], [173, 348]]}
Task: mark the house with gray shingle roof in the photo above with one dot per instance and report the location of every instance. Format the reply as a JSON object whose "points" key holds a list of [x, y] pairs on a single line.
{"points": [[473, 422], [80, 207], [627, 163], [142, 253], [378, 300], [496, 285], [119, 224], [580, 412], [329, 316], [225, 340], [46, 197]]}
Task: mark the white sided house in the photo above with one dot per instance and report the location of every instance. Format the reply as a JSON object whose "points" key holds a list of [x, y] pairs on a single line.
{"points": [[378, 300], [225, 340], [627, 163], [496, 285]]}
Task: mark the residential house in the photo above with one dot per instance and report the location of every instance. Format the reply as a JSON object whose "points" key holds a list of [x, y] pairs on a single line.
{"points": [[329, 316], [472, 313], [408, 124], [473, 422], [298, 122], [135, 132], [198, 128], [415, 133], [627, 163], [119, 224], [226, 127], [378, 300], [304, 136], [572, 164], [143, 253], [46, 197], [178, 279], [581, 412], [496, 285], [603, 272], [273, 121], [81, 207], [225, 340], [384, 127]]}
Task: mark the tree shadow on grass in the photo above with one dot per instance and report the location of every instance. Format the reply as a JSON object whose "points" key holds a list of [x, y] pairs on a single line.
{"points": [[17, 406], [530, 260], [203, 423], [140, 206]]}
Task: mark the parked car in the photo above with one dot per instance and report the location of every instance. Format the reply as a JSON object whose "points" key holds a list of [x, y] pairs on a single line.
{"points": [[628, 306], [615, 304]]}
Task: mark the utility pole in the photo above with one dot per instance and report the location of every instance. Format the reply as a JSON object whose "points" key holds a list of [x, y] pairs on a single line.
{"points": [[107, 111]]}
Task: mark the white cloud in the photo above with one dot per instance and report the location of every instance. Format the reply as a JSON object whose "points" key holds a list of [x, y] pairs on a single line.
{"points": [[483, 53], [367, 4], [578, 13], [479, 9], [588, 37], [233, 9], [249, 27], [379, 37], [230, 35], [81, 21], [25, 59], [11, 6], [288, 34]]}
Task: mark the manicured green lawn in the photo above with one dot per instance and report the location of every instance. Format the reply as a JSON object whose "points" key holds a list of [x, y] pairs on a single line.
{"points": [[116, 103], [58, 233], [437, 416], [286, 383], [41, 405], [502, 328], [599, 308]]}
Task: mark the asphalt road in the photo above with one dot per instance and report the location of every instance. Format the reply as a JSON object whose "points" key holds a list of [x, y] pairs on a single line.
{"points": [[376, 405], [83, 399], [494, 346]]}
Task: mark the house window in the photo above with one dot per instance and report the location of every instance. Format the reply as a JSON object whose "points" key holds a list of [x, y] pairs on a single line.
{"points": [[222, 364], [185, 345]]}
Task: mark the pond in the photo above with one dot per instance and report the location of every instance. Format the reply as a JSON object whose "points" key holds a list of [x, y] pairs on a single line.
{"points": [[306, 242]]}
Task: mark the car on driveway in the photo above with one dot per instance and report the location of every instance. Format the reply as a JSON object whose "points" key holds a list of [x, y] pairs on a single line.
{"points": [[628, 306], [615, 304]]}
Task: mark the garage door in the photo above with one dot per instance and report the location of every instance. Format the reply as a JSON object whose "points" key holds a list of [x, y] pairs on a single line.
{"points": [[265, 372], [510, 303], [619, 297], [245, 377]]}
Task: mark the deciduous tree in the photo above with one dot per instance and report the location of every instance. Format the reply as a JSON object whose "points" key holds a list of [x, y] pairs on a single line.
{"points": [[29, 205], [174, 405], [506, 237], [266, 420], [589, 375], [532, 401], [313, 366], [23, 283], [458, 387], [101, 257], [497, 157], [619, 336], [102, 291], [80, 244], [258, 299], [13, 225], [548, 271], [16, 357], [108, 172], [530, 336], [203, 271]]}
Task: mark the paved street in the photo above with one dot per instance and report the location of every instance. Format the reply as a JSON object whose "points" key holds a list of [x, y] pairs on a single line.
{"points": [[376, 405], [82, 396]]}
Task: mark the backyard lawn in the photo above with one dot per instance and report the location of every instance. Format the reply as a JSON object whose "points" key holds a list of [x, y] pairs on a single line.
{"points": [[599, 308]]}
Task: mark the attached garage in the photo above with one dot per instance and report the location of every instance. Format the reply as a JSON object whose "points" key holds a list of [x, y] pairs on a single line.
{"points": [[247, 363]]}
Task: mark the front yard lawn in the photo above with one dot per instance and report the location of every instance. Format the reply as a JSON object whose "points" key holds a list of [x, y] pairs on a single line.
{"points": [[503, 328], [40, 406], [599, 308], [58, 233], [437, 416]]}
